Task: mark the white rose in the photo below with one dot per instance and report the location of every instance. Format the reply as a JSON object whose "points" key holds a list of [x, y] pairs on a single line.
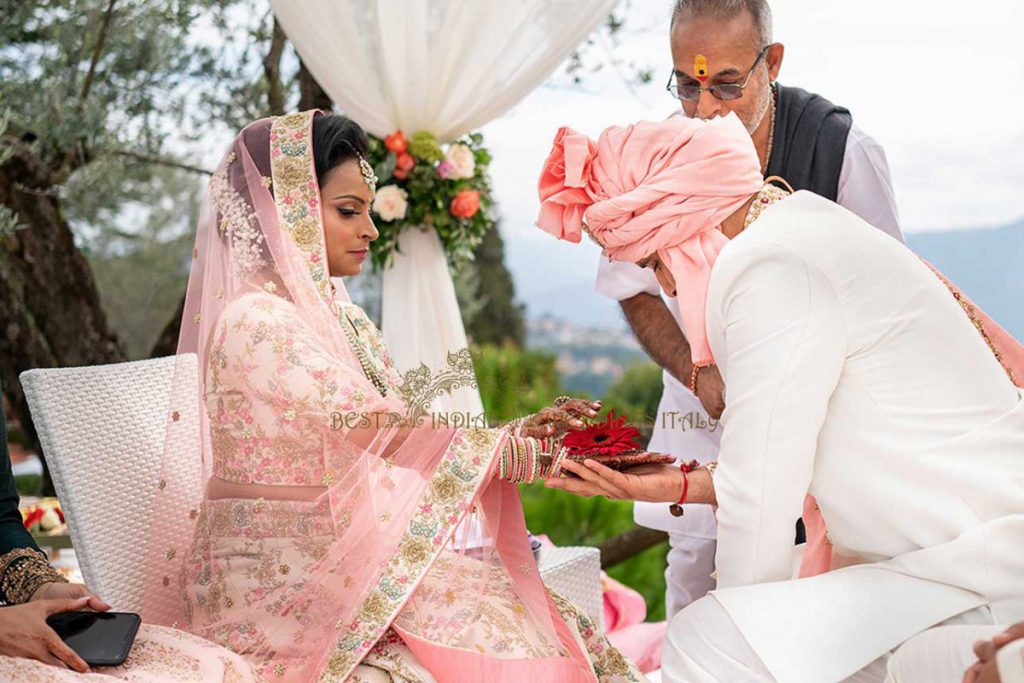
{"points": [[461, 158], [391, 202]]}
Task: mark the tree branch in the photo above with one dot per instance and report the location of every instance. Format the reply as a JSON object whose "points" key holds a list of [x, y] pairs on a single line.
{"points": [[150, 159], [628, 544], [97, 51]]}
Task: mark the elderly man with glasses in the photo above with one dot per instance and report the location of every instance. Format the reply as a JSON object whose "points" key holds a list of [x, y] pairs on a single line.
{"points": [[725, 60]]}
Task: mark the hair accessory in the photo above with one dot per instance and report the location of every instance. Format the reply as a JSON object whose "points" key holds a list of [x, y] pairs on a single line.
{"points": [[700, 68], [368, 175]]}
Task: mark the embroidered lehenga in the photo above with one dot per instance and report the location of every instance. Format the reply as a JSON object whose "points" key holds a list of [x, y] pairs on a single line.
{"points": [[317, 542]]}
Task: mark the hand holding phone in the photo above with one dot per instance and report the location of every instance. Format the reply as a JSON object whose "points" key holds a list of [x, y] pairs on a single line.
{"points": [[99, 638], [25, 633]]}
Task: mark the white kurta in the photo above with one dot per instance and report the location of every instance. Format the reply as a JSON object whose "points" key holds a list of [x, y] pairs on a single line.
{"points": [[854, 376], [682, 427]]}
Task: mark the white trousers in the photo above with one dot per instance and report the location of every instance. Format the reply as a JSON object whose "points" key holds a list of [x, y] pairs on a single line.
{"points": [[943, 654], [691, 562], [703, 645]]}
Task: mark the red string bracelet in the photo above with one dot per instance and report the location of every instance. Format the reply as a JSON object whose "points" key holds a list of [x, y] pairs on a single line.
{"points": [[677, 508]]}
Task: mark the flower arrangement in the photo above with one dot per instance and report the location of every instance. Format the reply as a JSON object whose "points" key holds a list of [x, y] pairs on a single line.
{"points": [[424, 185]]}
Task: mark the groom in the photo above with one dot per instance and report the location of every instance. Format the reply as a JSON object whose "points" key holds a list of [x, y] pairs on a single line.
{"points": [[725, 61]]}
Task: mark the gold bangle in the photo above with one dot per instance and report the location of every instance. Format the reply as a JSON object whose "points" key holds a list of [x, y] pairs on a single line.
{"points": [[711, 467]]}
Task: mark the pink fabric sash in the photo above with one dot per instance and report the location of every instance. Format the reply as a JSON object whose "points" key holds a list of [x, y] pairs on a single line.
{"points": [[648, 188]]}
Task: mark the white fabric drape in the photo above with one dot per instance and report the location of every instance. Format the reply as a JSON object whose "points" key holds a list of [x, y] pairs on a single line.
{"points": [[446, 66]]}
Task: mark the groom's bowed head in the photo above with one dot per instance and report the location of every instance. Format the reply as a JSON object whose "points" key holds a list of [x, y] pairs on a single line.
{"points": [[654, 188]]}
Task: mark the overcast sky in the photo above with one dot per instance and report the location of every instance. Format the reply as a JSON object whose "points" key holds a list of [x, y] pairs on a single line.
{"points": [[939, 83]]}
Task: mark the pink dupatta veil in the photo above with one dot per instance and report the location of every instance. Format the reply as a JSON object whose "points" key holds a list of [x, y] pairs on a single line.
{"points": [[269, 408]]}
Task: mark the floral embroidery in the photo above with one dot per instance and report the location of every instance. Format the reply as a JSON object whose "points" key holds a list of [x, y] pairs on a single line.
{"points": [[297, 195], [607, 662], [442, 506]]}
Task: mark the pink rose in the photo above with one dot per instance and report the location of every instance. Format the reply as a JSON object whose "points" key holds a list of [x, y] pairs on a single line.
{"points": [[444, 169], [461, 160]]}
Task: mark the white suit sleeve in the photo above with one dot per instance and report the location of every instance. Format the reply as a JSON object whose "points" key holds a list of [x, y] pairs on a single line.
{"points": [[865, 185], [780, 345], [621, 280]]}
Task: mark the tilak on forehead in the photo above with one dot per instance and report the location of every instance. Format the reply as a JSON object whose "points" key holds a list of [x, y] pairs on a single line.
{"points": [[700, 68]]}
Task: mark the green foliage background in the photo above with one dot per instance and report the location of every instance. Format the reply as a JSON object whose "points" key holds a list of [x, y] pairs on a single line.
{"points": [[515, 382]]}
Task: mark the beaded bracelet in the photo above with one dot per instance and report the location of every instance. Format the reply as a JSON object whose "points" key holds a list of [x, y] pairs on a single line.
{"points": [[693, 376]]}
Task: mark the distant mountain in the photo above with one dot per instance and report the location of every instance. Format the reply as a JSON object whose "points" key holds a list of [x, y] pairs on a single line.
{"points": [[593, 345], [557, 279], [986, 263]]}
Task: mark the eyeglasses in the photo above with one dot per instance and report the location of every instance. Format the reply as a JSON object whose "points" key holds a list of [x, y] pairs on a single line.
{"points": [[690, 92]]}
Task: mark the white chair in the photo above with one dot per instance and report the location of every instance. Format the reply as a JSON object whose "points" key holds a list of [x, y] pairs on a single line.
{"points": [[574, 572], [102, 429]]}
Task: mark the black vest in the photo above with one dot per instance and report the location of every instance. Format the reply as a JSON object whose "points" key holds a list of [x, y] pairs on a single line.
{"points": [[810, 141]]}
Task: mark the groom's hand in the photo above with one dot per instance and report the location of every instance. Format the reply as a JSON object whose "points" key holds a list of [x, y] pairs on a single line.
{"points": [[711, 391], [651, 483]]}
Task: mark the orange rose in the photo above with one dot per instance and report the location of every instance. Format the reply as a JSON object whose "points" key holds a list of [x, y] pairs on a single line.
{"points": [[396, 143], [465, 204], [403, 164]]}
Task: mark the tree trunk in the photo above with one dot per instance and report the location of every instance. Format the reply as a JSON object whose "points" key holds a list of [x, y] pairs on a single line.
{"points": [[49, 305], [628, 544], [272, 71], [311, 95], [167, 343]]}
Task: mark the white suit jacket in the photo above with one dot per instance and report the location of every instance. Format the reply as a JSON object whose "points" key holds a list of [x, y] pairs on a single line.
{"points": [[852, 374], [681, 426]]}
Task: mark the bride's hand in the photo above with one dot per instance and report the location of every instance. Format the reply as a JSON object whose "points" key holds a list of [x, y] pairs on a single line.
{"points": [[559, 418], [651, 483]]}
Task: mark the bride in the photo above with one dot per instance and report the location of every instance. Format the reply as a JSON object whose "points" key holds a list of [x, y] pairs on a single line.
{"points": [[320, 543]]}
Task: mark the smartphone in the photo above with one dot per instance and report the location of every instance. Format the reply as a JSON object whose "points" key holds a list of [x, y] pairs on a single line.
{"points": [[100, 638]]}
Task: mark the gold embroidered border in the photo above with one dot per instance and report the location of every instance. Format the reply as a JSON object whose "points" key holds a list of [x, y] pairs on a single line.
{"points": [[297, 194], [453, 486]]}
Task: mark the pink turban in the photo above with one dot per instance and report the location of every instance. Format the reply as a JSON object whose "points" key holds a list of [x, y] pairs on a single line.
{"points": [[660, 187]]}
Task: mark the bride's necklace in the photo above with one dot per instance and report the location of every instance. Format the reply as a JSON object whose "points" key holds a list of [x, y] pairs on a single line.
{"points": [[352, 334], [768, 195], [354, 337]]}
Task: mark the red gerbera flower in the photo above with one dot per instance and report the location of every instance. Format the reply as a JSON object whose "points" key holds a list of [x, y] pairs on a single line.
{"points": [[612, 437]]}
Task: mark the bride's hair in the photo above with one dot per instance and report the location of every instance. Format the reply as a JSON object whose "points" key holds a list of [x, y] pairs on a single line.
{"points": [[336, 139]]}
